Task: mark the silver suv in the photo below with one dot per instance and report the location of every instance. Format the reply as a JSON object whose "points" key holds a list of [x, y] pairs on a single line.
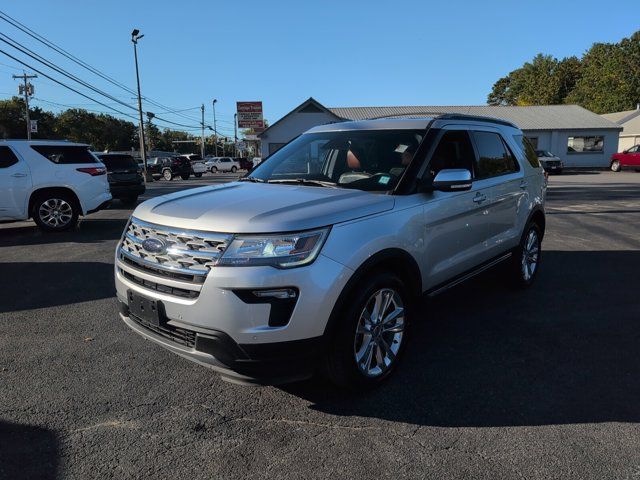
{"points": [[315, 261]]}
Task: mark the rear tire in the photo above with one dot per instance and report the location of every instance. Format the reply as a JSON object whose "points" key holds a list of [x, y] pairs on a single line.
{"points": [[55, 212], [365, 351], [615, 166], [184, 176], [526, 259], [234, 169], [167, 175], [197, 175]]}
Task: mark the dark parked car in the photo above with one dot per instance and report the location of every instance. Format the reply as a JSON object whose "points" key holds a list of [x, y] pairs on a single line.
{"points": [[124, 176], [550, 162], [169, 167], [245, 163]]}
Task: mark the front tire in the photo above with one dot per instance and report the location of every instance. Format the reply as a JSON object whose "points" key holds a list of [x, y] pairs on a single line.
{"points": [[371, 335], [197, 175], [615, 166], [234, 169], [525, 262], [56, 212], [184, 176], [214, 169]]}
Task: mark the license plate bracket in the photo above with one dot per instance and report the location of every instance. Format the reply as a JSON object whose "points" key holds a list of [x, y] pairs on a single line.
{"points": [[144, 308]]}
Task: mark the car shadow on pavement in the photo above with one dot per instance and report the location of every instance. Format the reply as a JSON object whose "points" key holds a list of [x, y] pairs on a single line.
{"points": [[88, 231], [30, 285], [27, 452], [484, 355]]}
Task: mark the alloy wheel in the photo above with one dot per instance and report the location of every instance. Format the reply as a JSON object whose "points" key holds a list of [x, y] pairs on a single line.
{"points": [[379, 332], [530, 255], [55, 212]]}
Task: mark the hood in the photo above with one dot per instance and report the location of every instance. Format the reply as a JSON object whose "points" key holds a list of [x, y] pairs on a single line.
{"points": [[244, 207]]}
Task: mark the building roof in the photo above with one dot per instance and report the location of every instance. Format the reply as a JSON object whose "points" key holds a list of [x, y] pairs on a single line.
{"points": [[629, 120], [538, 117], [543, 117]]}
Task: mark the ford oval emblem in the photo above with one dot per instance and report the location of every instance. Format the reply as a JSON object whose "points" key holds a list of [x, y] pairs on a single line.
{"points": [[153, 245]]}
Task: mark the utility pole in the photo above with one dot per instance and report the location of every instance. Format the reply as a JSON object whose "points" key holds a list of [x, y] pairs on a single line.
{"points": [[134, 39], [27, 89], [215, 127], [202, 125], [235, 134]]}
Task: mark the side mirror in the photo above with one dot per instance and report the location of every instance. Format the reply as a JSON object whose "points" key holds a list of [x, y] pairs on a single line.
{"points": [[452, 180]]}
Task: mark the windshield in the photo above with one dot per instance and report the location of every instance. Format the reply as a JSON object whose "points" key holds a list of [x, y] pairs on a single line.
{"points": [[544, 153], [371, 160], [115, 162]]}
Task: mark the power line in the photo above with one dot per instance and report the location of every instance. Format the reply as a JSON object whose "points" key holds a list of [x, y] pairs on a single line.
{"points": [[23, 28], [64, 85], [44, 61]]}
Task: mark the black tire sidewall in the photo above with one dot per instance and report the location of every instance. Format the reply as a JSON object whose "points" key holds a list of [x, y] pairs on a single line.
{"points": [[234, 169], [341, 365], [615, 166], [75, 212], [169, 177]]}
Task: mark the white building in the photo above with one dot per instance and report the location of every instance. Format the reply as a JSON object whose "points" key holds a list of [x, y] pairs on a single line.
{"points": [[630, 123], [579, 137]]}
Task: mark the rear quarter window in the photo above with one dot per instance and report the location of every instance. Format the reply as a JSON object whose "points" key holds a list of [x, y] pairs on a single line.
{"points": [[7, 157], [528, 150], [65, 154]]}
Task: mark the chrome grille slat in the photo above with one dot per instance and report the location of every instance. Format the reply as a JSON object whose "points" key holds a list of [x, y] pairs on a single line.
{"points": [[190, 253]]}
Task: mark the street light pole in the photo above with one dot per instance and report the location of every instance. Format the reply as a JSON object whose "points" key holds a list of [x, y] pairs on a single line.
{"points": [[135, 36], [215, 127], [202, 125], [235, 134]]}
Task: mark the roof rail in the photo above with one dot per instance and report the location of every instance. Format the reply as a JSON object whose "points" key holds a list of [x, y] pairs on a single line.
{"points": [[462, 116]]}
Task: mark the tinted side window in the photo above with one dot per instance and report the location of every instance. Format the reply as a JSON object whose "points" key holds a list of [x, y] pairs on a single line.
{"points": [[65, 154], [494, 157], [453, 151], [7, 157], [529, 152]]}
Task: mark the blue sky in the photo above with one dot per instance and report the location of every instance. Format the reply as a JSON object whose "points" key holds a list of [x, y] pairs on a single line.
{"points": [[343, 53]]}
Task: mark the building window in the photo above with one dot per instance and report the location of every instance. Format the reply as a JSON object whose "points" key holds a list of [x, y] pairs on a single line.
{"points": [[534, 142], [593, 144], [274, 147]]}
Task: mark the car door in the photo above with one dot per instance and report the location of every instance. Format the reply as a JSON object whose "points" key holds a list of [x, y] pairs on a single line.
{"points": [[15, 185], [633, 156], [455, 222], [501, 177]]}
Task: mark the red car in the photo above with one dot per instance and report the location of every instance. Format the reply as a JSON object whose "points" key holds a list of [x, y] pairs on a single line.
{"points": [[628, 159]]}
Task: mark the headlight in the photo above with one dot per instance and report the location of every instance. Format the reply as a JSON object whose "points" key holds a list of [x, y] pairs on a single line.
{"points": [[285, 250]]}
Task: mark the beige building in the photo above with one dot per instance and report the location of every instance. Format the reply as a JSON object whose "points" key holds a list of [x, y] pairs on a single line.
{"points": [[630, 123]]}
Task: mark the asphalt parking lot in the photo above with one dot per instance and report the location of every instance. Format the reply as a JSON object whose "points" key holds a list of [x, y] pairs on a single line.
{"points": [[496, 383]]}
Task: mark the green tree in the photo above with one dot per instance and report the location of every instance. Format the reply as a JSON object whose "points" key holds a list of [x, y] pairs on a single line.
{"points": [[605, 79]]}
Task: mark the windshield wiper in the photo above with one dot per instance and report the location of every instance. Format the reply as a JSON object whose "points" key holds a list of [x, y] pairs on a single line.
{"points": [[305, 181], [252, 179]]}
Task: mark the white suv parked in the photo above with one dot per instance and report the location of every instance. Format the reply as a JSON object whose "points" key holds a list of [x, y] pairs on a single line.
{"points": [[315, 260], [53, 182]]}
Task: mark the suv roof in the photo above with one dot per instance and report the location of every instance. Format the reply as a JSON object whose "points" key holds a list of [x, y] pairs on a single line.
{"points": [[405, 123]]}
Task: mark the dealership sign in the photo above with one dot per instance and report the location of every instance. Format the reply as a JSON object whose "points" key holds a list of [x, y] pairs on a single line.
{"points": [[250, 115]]}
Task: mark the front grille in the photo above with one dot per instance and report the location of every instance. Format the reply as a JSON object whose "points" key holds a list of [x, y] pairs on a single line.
{"points": [[159, 287], [187, 256], [178, 335], [553, 163]]}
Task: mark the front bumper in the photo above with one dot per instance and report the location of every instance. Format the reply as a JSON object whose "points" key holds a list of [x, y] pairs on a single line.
{"points": [[268, 364], [237, 337]]}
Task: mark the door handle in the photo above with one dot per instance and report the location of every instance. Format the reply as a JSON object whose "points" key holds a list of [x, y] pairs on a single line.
{"points": [[524, 184], [19, 175], [479, 198]]}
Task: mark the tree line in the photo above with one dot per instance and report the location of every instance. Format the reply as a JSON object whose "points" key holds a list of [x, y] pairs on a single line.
{"points": [[605, 79], [102, 131]]}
